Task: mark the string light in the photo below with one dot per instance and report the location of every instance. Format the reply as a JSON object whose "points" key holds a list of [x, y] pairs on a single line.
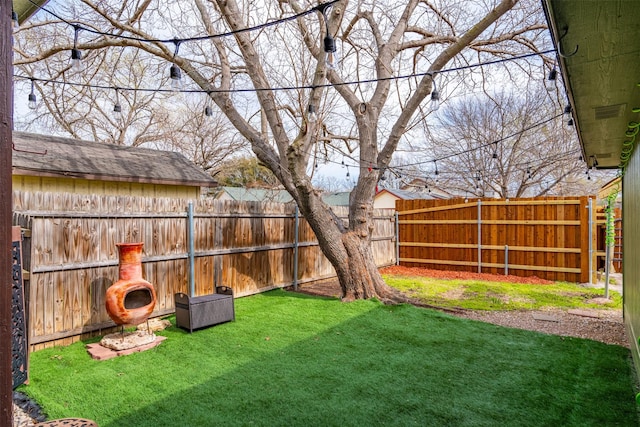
{"points": [[435, 95], [32, 97], [117, 108], [312, 116], [76, 55], [331, 57], [550, 83], [15, 19], [174, 71]]}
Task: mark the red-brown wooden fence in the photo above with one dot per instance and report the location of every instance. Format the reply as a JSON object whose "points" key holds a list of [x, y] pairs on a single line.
{"points": [[552, 237]]}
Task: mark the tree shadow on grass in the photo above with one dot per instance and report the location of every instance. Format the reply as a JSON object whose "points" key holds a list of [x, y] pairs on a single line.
{"points": [[379, 365]]}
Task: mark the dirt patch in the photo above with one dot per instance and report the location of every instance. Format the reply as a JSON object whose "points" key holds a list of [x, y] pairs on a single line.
{"points": [[453, 294]]}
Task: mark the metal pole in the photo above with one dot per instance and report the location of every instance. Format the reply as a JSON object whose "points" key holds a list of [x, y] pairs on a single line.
{"points": [[192, 284], [506, 260], [479, 236], [590, 208], [295, 248], [397, 239], [6, 127]]}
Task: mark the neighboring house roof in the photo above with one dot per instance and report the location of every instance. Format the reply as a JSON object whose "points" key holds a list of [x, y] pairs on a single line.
{"points": [[614, 185], [243, 194], [337, 199], [44, 155], [277, 196], [401, 194]]}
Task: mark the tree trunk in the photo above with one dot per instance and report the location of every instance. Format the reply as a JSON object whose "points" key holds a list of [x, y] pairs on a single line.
{"points": [[359, 276], [349, 252]]}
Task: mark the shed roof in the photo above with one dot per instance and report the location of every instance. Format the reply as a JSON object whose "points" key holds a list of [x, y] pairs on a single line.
{"points": [[45, 155]]}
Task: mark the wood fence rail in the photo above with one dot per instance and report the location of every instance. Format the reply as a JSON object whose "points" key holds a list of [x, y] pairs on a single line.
{"points": [[552, 237], [71, 258]]}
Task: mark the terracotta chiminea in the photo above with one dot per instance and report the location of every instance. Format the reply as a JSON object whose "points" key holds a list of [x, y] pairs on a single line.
{"points": [[130, 300]]}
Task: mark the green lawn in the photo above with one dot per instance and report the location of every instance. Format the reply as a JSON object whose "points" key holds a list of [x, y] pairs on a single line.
{"points": [[292, 359], [485, 295]]}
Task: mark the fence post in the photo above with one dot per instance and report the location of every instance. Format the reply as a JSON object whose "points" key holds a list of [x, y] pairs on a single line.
{"points": [[479, 236], [506, 260], [192, 285], [590, 208], [397, 239], [295, 248]]}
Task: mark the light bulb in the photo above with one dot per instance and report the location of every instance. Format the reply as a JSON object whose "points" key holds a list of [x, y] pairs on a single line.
{"points": [[32, 101], [15, 19], [76, 59], [330, 49], [312, 117], [176, 77], [550, 83], [32, 97], [435, 100]]}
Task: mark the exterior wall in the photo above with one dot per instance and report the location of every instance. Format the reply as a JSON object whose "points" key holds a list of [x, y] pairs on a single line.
{"points": [[385, 201], [102, 188], [631, 253]]}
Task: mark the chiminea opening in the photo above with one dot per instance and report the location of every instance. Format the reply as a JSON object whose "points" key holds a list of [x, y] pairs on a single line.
{"points": [[138, 298]]}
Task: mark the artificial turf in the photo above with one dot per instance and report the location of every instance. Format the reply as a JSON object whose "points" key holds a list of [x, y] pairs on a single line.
{"points": [[292, 359]]}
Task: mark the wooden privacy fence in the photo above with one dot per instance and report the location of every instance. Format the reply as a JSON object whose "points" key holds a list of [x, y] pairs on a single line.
{"points": [[552, 238], [71, 257]]}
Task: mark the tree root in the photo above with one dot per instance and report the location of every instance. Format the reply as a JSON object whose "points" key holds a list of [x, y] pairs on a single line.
{"points": [[395, 297]]}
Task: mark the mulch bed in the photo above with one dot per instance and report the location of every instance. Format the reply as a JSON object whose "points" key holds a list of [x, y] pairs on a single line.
{"points": [[398, 270]]}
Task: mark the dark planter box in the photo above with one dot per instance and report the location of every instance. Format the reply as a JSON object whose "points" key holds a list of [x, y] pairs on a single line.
{"points": [[206, 310]]}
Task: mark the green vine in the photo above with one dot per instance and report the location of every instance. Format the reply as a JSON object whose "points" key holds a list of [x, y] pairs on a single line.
{"points": [[609, 210]]}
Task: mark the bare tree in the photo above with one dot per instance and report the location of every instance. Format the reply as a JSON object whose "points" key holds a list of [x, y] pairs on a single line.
{"points": [[377, 40], [511, 144]]}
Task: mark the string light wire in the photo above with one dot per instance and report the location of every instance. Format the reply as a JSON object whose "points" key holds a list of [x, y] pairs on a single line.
{"points": [[288, 88], [319, 7]]}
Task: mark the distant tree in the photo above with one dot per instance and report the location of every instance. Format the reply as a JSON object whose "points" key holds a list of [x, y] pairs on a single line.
{"points": [[246, 172], [485, 149]]}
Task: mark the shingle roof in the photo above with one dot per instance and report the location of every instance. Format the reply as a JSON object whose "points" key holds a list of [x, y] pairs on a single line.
{"points": [[337, 199], [258, 194], [44, 155]]}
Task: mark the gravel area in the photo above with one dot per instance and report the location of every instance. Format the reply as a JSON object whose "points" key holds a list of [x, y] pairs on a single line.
{"points": [[600, 325], [25, 412]]}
